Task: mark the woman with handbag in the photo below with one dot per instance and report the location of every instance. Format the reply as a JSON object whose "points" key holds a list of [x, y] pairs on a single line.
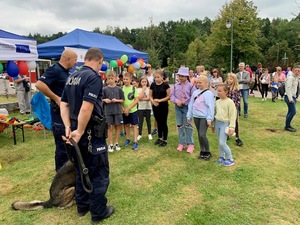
{"points": [[265, 84]]}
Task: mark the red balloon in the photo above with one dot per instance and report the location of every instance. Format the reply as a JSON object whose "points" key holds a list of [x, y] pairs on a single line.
{"points": [[23, 67], [120, 63]]}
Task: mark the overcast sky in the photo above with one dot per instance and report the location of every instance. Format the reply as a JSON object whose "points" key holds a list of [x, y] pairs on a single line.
{"points": [[48, 17]]}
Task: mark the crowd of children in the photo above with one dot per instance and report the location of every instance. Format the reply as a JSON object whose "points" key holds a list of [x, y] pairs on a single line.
{"points": [[200, 99], [128, 101]]}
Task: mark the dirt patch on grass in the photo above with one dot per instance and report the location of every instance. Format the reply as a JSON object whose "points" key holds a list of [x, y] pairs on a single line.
{"points": [[64, 216], [276, 220], [145, 153], [144, 180], [180, 203], [10, 159], [288, 192], [274, 130], [281, 115], [268, 159], [5, 186]]}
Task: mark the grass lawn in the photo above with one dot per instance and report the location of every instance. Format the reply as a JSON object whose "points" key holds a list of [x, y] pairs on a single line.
{"points": [[162, 186]]}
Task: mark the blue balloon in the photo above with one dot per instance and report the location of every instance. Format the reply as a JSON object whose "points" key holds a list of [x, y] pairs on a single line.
{"points": [[12, 69], [136, 65], [133, 59], [103, 67]]}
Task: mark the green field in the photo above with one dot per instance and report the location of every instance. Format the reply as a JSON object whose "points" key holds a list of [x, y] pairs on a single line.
{"points": [[162, 186]]}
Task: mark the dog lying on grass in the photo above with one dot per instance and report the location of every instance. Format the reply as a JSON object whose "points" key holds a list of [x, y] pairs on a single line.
{"points": [[62, 191]]}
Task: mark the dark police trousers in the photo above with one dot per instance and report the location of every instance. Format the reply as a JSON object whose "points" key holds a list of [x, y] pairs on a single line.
{"points": [[58, 129], [98, 166]]}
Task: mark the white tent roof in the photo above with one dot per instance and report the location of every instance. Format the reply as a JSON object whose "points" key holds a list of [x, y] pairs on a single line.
{"points": [[16, 47]]}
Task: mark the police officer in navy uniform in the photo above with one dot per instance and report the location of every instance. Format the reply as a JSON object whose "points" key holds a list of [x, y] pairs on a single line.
{"points": [[52, 84], [81, 102]]}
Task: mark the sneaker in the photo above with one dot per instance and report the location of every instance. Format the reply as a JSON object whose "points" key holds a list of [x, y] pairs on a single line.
{"points": [[201, 155], [117, 147], [228, 162], [163, 144], [291, 129], [221, 160], [139, 137], [127, 142], [158, 141], [190, 149], [154, 132], [122, 133], [239, 142], [110, 148], [150, 137], [135, 146], [206, 155], [180, 147], [246, 116]]}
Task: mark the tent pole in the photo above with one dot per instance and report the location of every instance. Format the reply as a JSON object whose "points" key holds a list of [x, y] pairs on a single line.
{"points": [[30, 93]]}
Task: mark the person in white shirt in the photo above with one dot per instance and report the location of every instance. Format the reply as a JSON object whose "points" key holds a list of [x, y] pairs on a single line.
{"points": [[289, 71]]}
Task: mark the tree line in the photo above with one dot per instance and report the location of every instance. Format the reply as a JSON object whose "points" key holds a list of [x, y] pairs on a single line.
{"points": [[208, 42]]}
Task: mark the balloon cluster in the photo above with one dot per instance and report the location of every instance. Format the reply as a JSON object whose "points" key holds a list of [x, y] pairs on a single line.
{"points": [[135, 63], [21, 67]]}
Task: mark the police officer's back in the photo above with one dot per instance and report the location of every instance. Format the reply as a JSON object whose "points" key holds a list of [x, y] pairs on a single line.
{"points": [[81, 111]]}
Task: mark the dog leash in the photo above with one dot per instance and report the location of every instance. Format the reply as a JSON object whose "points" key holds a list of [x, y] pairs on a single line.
{"points": [[84, 172]]}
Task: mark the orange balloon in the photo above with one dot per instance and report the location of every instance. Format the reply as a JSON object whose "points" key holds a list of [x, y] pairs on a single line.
{"points": [[141, 63], [130, 68]]}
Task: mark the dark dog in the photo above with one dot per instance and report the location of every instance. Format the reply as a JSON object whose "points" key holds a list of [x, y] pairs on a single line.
{"points": [[62, 191]]}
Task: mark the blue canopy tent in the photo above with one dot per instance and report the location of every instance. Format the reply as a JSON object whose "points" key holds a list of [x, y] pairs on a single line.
{"points": [[111, 47]]}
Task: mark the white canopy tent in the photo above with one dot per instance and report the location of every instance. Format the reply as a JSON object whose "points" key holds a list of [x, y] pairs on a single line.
{"points": [[16, 47]]}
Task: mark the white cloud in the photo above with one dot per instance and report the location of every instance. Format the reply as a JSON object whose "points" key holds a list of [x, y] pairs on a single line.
{"points": [[48, 17]]}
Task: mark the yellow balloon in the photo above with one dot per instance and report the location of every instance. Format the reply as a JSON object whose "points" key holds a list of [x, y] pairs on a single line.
{"points": [[124, 58]]}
